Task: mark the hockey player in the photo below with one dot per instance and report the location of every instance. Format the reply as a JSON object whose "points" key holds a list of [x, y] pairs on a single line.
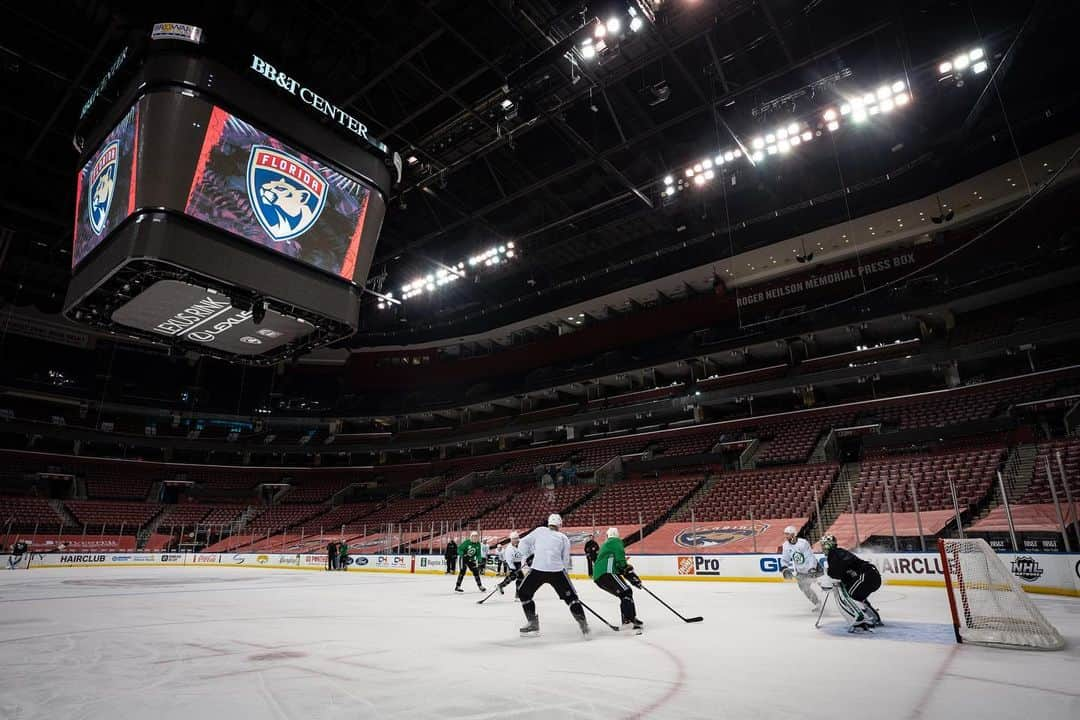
{"points": [[797, 560], [451, 557], [343, 555], [857, 579], [550, 550], [470, 554], [514, 561], [591, 550], [611, 574]]}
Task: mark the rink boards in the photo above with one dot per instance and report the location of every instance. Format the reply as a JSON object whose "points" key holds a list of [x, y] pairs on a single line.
{"points": [[1051, 573]]}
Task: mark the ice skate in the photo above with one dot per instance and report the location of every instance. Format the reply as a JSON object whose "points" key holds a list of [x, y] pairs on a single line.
{"points": [[584, 625], [457, 588], [532, 628]]}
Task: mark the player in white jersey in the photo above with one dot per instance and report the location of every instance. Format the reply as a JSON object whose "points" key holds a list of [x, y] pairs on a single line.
{"points": [[514, 561], [797, 560], [550, 551]]}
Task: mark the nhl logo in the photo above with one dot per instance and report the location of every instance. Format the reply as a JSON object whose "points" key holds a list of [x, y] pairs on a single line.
{"points": [[286, 194], [102, 186]]}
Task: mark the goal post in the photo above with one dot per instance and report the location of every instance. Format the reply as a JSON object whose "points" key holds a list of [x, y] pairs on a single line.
{"points": [[989, 607]]}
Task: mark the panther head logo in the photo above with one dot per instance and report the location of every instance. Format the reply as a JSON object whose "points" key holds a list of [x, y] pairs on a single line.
{"points": [[286, 194], [102, 186], [716, 535]]}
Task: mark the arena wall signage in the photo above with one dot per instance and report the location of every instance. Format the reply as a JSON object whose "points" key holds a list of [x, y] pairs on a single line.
{"points": [[1052, 573], [830, 281], [311, 98]]}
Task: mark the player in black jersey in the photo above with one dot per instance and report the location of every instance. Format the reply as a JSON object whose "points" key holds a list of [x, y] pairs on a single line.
{"points": [[857, 579]]}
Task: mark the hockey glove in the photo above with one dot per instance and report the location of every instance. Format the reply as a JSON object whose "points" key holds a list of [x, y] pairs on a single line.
{"points": [[788, 573], [631, 576]]}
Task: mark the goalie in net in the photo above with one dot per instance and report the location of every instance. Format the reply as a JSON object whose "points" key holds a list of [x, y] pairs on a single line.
{"points": [[988, 605]]}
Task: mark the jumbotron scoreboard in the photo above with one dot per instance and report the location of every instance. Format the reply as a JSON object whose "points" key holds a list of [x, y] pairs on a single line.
{"points": [[223, 205]]}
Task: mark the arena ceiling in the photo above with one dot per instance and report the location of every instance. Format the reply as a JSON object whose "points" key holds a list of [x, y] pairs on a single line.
{"points": [[516, 136]]}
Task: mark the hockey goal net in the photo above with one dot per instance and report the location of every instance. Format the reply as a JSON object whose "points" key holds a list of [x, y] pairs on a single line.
{"points": [[988, 605]]}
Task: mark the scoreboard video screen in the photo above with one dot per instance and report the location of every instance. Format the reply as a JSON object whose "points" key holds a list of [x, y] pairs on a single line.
{"points": [[241, 180], [216, 213]]}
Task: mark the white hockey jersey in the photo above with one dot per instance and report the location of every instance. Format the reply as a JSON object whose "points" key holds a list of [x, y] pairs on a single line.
{"points": [[798, 556], [550, 549], [512, 555]]}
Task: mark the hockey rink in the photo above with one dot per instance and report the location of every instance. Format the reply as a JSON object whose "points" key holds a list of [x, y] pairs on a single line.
{"points": [[184, 643]]}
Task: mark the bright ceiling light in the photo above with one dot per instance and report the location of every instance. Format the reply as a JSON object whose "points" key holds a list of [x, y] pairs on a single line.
{"points": [[887, 105], [668, 180], [697, 167], [845, 109], [709, 175], [706, 163], [833, 126], [770, 138], [794, 140], [944, 67], [510, 244], [613, 25], [960, 62], [902, 99], [793, 129], [858, 115], [781, 133], [783, 146], [868, 99], [771, 149], [807, 136], [670, 191], [898, 86], [729, 156], [689, 172], [599, 31], [979, 67], [509, 253], [757, 143], [588, 52], [758, 156], [737, 153], [829, 115], [719, 160], [883, 92], [873, 110], [975, 54], [699, 180], [636, 24]]}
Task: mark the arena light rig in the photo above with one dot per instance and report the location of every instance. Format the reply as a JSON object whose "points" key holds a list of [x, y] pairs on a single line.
{"points": [[607, 33], [859, 108], [971, 61], [431, 281]]}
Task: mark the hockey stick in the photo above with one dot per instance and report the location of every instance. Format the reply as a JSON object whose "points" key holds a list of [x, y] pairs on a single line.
{"points": [[824, 602], [613, 627], [684, 619], [481, 602]]}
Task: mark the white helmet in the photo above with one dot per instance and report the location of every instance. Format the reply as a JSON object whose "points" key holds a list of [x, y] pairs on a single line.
{"points": [[514, 535], [613, 532], [791, 530], [474, 534], [555, 519]]}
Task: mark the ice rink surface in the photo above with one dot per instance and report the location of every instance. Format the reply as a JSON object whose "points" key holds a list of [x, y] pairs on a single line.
{"points": [[197, 644]]}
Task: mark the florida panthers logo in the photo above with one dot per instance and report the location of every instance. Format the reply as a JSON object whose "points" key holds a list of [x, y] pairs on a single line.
{"points": [[286, 193], [102, 186], [718, 535]]}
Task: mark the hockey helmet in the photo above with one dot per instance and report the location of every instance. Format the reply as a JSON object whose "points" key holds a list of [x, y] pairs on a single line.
{"points": [[791, 530], [828, 542], [514, 535], [474, 534], [555, 520], [613, 532]]}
